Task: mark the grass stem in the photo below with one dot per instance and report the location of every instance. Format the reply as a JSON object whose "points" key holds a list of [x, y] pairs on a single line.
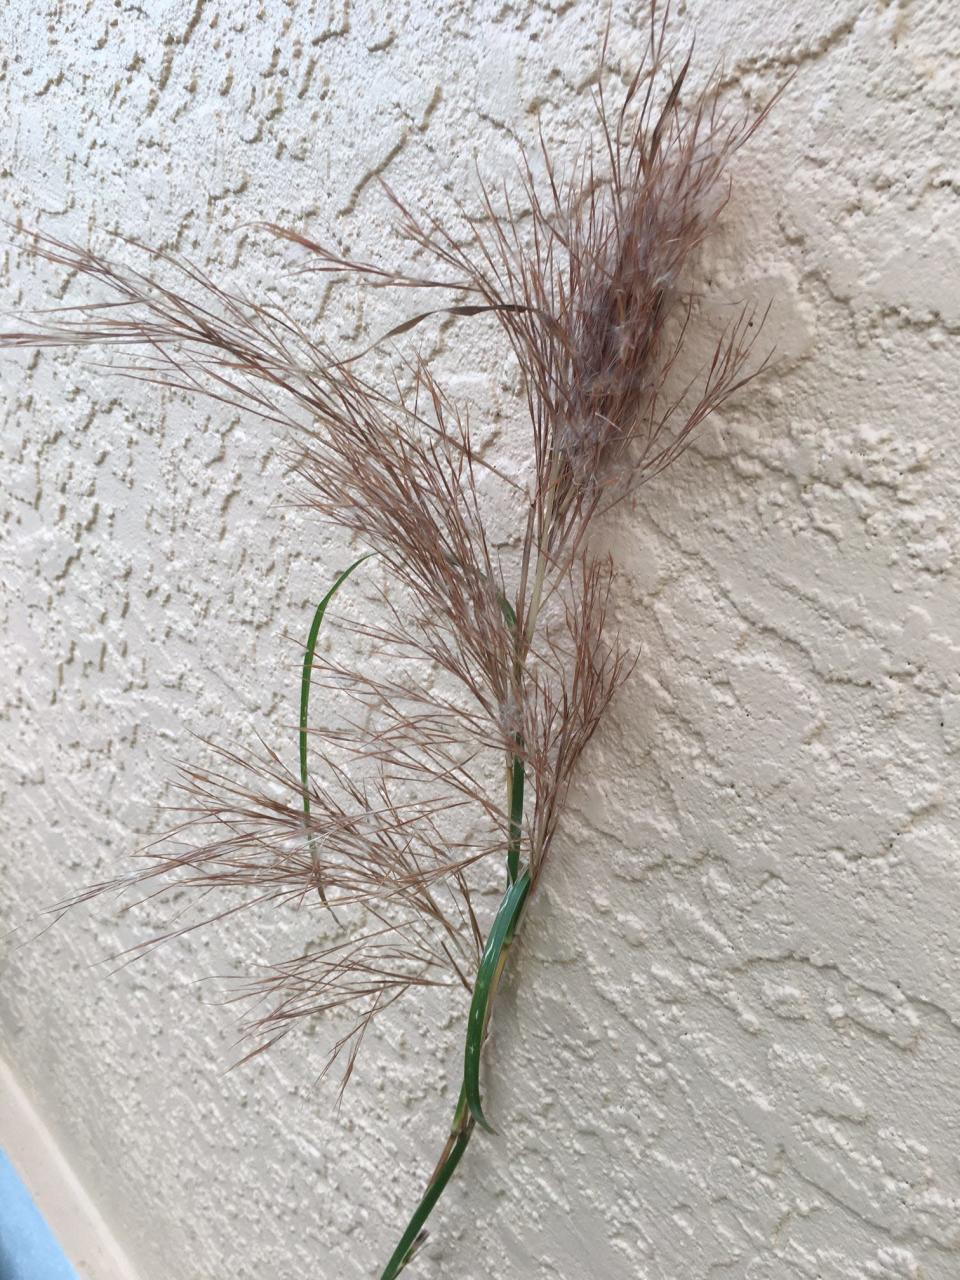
{"points": [[461, 1130]]}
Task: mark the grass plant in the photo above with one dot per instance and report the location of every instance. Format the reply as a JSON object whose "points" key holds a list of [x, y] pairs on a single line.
{"points": [[490, 664]]}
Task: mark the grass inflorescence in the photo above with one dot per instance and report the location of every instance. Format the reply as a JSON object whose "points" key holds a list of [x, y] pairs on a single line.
{"points": [[394, 814]]}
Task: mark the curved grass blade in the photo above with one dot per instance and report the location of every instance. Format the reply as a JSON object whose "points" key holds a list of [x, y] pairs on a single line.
{"points": [[461, 1131], [488, 978], [308, 655], [469, 1112]]}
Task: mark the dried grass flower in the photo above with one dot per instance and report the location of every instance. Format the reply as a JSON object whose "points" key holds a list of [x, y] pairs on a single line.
{"points": [[491, 663]]}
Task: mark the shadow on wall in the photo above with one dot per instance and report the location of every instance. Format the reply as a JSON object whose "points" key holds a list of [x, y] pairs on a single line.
{"points": [[28, 1250]]}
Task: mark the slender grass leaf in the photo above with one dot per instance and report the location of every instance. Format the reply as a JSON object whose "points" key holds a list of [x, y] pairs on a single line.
{"points": [[308, 656], [460, 1133], [488, 977]]}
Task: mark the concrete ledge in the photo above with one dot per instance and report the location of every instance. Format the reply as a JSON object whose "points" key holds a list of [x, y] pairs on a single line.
{"points": [[70, 1214]]}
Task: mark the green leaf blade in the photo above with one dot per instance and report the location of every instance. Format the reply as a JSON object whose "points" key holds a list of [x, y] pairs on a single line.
{"points": [[488, 978], [308, 656]]}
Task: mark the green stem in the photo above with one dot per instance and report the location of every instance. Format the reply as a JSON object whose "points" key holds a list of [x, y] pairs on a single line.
{"points": [[516, 781], [461, 1131], [468, 1112], [485, 989], [515, 773]]}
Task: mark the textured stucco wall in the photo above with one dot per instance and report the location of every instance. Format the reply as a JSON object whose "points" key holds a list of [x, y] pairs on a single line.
{"points": [[731, 1044]]}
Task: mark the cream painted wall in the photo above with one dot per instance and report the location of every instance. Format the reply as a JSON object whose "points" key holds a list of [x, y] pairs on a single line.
{"points": [[731, 1043]]}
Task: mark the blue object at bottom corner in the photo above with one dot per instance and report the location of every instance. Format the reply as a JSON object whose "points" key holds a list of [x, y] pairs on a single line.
{"points": [[28, 1248]]}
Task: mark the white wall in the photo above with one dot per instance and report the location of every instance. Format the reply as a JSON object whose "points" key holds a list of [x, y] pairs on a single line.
{"points": [[732, 1043]]}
